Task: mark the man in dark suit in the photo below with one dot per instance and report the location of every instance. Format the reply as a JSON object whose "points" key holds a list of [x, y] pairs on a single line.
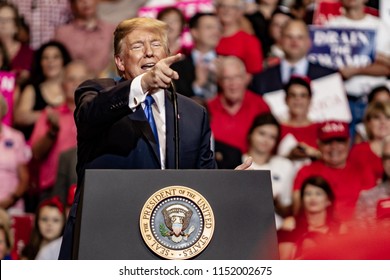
{"points": [[295, 43], [197, 70], [112, 128]]}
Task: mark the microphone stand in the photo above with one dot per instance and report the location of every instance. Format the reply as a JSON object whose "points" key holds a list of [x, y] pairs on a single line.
{"points": [[176, 137]]}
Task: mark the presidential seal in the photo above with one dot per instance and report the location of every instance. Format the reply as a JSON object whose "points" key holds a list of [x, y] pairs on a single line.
{"points": [[177, 222]]}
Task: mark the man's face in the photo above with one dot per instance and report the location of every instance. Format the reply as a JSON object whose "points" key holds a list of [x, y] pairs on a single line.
{"points": [[8, 27], [233, 81], [295, 41], [335, 152], [208, 32], [141, 50], [85, 8]]}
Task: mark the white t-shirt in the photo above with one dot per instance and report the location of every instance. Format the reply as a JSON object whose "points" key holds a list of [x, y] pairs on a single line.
{"points": [[362, 84], [282, 178], [50, 251]]}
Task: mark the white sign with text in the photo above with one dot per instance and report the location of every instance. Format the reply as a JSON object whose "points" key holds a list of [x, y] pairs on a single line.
{"points": [[329, 101]]}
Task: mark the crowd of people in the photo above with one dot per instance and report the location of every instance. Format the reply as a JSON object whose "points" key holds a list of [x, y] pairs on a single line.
{"points": [[330, 177]]}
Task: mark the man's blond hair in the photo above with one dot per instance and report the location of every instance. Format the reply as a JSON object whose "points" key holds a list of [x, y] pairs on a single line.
{"points": [[127, 26]]}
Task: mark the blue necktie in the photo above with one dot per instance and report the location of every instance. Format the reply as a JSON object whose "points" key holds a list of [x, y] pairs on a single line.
{"points": [[149, 115]]}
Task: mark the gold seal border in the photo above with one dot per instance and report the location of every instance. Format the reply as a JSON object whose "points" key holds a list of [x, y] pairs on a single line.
{"points": [[177, 191]]}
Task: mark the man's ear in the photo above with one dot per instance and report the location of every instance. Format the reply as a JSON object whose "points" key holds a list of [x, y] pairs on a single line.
{"points": [[308, 45], [119, 63], [248, 78]]}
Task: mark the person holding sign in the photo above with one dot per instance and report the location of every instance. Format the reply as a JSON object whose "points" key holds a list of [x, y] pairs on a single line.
{"points": [[360, 79], [295, 43]]}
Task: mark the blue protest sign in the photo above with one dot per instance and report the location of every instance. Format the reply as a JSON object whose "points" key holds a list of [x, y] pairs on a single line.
{"points": [[340, 47]]}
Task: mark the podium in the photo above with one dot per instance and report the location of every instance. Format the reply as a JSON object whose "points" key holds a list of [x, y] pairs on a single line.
{"points": [[115, 203]]}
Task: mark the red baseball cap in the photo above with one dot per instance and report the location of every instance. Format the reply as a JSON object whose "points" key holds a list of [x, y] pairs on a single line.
{"points": [[333, 129]]}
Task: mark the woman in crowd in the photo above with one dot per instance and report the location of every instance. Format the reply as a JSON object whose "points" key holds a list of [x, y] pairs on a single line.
{"points": [[14, 156], [377, 94], [176, 24], [45, 86], [377, 124], [49, 225], [259, 14], [262, 140], [315, 223], [21, 55], [275, 52], [299, 134]]}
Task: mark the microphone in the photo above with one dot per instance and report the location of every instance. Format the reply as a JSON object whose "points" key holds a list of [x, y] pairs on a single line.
{"points": [[176, 137]]}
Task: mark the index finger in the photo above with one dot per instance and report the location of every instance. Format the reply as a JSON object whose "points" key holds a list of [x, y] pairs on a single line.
{"points": [[172, 59]]}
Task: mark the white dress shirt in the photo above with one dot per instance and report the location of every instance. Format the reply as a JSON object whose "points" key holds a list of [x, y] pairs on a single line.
{"points": [[300, 69]]}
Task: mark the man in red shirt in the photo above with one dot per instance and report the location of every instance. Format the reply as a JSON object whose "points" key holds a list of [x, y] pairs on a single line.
{"points": [[344, 178], [235, 107], [234, 40]]}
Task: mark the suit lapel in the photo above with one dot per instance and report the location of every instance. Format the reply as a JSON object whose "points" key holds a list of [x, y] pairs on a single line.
{"points": [[139, 119]]}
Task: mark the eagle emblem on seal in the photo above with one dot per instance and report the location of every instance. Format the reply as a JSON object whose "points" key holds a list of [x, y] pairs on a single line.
{"points": [[177, 219]]}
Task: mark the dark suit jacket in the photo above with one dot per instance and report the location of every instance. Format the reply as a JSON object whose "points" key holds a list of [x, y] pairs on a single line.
{"points": [[111, 136], [186, 68], [271, 79]]}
